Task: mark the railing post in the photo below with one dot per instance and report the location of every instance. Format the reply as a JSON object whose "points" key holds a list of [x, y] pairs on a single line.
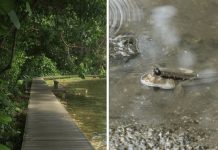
{"points": [[56, 84]]}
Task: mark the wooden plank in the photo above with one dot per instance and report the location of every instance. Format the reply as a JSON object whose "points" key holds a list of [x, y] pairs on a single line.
{"points": [[48, 124]]}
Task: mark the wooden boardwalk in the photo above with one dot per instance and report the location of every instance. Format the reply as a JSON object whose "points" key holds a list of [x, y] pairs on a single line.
{"points": [[48, 124]]}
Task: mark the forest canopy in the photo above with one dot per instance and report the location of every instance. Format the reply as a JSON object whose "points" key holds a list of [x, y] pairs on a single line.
{"points": [[69, 34], [46, 38]]}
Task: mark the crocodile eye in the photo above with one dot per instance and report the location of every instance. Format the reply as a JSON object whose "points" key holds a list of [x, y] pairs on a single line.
{"points": [[157, 71]]}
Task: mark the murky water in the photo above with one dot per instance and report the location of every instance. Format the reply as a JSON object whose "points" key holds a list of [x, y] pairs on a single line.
{"points": [[171, 34]]}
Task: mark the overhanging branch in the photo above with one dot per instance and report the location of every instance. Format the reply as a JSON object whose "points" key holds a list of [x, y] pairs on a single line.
{"points": [[69, 45], [14, 32]]}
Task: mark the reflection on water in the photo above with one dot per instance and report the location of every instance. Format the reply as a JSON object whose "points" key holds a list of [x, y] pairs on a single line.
{"points": [[171, 34]]}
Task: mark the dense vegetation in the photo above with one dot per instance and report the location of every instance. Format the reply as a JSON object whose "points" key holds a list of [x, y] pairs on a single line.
{"points": [[41, 38]]}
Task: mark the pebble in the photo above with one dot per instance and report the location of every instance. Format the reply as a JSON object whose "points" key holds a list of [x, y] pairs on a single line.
{"points": [[142, 137]]}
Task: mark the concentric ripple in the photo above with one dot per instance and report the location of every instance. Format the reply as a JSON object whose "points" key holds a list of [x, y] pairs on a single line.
{"points": [[123, 13]]}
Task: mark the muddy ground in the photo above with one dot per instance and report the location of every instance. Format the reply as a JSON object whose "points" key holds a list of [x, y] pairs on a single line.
{"points": [[189, 114]]}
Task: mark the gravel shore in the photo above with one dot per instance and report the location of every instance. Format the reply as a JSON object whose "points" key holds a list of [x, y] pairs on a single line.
{"points": [[179, 136]]}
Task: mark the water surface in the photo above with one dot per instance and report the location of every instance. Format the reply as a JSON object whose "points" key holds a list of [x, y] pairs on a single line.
{"points": [[172, 34]]}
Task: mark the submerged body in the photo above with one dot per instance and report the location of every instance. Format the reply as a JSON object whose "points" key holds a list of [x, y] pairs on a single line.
{"points": [[167, 79]]}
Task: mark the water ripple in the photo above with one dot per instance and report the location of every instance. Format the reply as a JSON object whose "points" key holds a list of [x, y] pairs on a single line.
{"points": [[123, 13]]}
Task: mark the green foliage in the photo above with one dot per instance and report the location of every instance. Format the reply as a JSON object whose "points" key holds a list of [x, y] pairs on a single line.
{"points": [[8, 15], [6, 6], [5, 119], [41, 66], [14, 19], [28, 9], [102, 73], [13, 74], [93, 9], [9, 109], [3, 147], [66, 37]]}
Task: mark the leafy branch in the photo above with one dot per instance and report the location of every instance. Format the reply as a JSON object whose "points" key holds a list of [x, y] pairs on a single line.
{"points": [[13, 29], [69, 45], [8, 66]]}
